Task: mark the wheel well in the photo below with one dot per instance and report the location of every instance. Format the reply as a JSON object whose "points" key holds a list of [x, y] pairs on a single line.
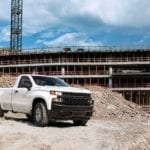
{"points": [[37, 100]]}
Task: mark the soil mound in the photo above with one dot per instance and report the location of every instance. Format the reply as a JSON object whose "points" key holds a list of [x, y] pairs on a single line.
{"points": [[110, 104], [7, 81]]}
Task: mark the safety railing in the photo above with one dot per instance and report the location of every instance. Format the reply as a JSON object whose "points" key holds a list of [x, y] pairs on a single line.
{"points": [[119, 47], [59, 73], [131, 85], [146, 108], [75, 60]]}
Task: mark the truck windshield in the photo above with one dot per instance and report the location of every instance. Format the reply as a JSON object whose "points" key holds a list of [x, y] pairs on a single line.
{"points": [[49, 81]]}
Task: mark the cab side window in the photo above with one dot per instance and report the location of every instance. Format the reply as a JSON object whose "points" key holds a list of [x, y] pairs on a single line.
{"points": [[24, 82]]}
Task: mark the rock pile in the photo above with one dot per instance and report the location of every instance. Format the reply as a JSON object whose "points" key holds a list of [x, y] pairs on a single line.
{"points": [[113, 105], [7, 81]]}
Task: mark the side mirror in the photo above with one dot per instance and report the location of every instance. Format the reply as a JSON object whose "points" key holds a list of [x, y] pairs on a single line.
{"points": [[28, 85]]}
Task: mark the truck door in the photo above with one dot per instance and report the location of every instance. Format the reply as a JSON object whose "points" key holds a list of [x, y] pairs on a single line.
{"points": [[21, 96], [5, 98]]}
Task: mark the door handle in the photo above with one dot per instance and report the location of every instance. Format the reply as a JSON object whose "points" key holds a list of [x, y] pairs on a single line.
{"points": [[16, 91]]}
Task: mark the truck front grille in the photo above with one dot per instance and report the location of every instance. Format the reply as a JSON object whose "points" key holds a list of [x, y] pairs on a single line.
{"points": [[76, 99]]}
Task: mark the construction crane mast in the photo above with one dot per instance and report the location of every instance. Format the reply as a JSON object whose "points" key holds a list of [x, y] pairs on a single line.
{"points": [[16, 25]]}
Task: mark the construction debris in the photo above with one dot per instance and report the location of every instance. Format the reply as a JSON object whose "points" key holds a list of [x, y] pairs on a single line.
{"points": [[7, 81], [112, 105]]}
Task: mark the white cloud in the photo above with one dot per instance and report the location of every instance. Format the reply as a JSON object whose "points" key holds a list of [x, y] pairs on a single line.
{"points": [[36, 16], [133, 13], [40, 15], [69, 39], [5, 34], [5, 10], [47, 34], [47, 13]]}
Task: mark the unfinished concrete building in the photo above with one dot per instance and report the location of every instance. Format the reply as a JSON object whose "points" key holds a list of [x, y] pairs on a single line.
{"points": [[123, 70]]}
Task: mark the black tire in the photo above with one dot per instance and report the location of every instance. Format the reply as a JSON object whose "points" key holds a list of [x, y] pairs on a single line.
{"points": [[40, 115], [80, 122], [1, 112]]}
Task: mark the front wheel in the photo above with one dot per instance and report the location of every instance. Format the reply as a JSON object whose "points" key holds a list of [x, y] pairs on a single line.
{"points": [[80, 122], [1, 112], [40, 115]]}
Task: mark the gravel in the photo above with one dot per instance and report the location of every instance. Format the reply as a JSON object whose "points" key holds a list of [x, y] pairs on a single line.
{"points": [[19, 134], [116, 125]]}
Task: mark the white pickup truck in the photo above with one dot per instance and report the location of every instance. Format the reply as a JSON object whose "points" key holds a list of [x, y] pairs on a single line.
{"points": [[44, 98]]}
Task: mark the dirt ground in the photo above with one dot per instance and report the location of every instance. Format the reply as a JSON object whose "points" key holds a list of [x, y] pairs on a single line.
{"points": [[117, 124], [18, 133]]}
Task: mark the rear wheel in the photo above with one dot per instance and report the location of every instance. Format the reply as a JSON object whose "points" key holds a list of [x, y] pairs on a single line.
{"points": [[80, 122], [40, 116], [1, 112]]}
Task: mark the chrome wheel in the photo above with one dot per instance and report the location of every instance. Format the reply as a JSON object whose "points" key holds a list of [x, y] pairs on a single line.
{"points": [[38, 114]]}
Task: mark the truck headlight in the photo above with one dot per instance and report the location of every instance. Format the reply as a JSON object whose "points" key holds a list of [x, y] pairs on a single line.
{"points": [[58, 100], [56, 93]]}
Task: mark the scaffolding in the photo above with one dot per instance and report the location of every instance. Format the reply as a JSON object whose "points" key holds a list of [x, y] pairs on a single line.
{"points": [[16, 25]]}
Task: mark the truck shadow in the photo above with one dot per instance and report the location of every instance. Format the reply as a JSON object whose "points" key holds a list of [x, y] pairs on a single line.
{"points": [[51, 123], [61, 124]]}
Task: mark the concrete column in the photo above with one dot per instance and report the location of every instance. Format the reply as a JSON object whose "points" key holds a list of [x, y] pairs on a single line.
{"points": [[110, 70], [110, 79], [110, 82], [62, 70]]}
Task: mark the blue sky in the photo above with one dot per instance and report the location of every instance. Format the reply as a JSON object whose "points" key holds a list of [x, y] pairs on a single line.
{"points": [[50, 23]]}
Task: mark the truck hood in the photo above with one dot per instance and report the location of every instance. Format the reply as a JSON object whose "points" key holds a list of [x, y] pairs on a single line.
{"points": [[65, 89]]}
